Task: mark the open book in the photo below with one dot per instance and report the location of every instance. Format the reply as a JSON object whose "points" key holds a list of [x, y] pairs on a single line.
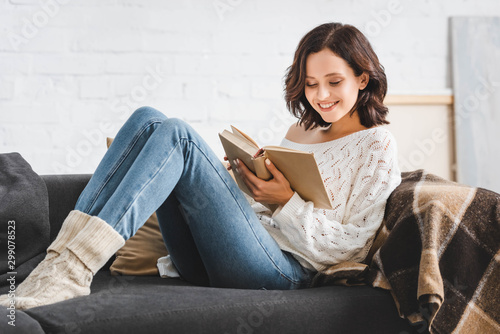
{"points": [[299, 167]]}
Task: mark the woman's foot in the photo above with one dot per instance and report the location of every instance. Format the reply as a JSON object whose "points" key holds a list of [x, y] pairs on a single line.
{"points": [[61, 277], [68, 274]]}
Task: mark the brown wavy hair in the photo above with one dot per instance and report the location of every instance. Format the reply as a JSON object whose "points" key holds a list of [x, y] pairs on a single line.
{"points": [[348, 43]]}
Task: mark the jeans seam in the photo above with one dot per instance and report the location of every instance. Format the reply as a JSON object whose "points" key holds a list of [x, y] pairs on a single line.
{"points": [[118, 164]]}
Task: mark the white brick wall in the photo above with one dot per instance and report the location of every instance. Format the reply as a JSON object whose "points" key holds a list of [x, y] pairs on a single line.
{"points": [[71, 71]]}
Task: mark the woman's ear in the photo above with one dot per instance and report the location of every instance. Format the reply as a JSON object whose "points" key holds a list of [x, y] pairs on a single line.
{"points": [[364, 80]]}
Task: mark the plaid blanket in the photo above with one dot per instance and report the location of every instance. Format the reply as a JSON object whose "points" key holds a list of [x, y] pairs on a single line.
{"points": [[438, 253]]}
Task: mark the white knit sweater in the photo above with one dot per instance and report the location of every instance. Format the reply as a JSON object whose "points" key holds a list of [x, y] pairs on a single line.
{"points": [[359, 172]]}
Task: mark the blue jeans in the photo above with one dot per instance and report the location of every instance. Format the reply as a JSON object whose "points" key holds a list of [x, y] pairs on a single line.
{"points": [[214, 238]]}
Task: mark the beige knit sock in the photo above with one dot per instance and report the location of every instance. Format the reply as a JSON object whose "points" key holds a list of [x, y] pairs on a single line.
{"points": [[70, 274], [74, 223]]}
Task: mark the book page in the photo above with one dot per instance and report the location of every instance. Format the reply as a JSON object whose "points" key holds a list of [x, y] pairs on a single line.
{"points": [[280, 148], [240, 133], [242, 143]]}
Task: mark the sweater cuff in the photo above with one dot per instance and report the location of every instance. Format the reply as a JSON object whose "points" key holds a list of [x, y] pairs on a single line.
{"points": [[289, 211]]}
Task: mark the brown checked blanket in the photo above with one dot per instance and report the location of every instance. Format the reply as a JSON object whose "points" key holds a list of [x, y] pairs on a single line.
{"points": [[438, 253]]}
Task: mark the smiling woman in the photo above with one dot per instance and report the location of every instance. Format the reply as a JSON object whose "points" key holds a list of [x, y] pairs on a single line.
{"points": [[333, 95], [336, 69]]}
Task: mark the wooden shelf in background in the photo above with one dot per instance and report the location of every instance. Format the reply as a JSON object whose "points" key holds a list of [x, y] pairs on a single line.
{"points": [[419, 100]]}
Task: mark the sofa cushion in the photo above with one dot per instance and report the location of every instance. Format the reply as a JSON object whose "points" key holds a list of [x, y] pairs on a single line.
{"points": [[148, 304], [141, 252], [24, 218]]}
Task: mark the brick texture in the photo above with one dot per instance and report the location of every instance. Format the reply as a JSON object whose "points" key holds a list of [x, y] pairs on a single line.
{"points": [[70, 68]]}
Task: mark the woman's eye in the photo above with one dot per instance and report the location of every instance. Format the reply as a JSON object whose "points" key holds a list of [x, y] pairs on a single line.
{"points": [[311, 85], [334, 83]]}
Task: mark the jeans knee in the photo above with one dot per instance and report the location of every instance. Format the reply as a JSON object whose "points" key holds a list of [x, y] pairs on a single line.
{"points": [[145, 113]]}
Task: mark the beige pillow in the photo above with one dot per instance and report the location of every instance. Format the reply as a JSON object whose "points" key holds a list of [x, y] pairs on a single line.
{"points": [[140, 253]]}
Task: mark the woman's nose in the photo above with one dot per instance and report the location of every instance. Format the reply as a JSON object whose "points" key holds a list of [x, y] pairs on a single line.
{"points": [[323, 93]]}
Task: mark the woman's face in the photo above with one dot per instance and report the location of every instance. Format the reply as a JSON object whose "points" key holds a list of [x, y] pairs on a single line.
{"points": [[331, 86]]}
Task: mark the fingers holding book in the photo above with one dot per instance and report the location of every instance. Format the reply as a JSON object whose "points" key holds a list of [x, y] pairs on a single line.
{"points": [[274, 191]]}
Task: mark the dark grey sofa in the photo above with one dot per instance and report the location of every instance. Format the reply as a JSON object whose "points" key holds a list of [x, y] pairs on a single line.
{"points": [[150, 304]]}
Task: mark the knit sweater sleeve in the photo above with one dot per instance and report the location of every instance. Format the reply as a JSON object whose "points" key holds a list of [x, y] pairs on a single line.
{"points": [[326, 237]]}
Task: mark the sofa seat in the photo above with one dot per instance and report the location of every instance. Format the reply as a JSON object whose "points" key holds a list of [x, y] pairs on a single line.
{"points": [[149, 304]]}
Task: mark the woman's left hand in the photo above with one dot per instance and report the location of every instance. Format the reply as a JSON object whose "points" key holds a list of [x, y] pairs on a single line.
{"points": [[275, 191]]}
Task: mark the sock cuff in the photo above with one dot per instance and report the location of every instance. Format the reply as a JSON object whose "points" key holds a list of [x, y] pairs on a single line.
{"points": [[74, 223], [96, 243]]}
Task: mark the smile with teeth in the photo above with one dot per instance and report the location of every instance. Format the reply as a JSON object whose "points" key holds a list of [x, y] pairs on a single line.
{"points": [[329, 105]]}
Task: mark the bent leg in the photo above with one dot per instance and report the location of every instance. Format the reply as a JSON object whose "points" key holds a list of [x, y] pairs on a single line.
{"points": [[233, 246], [115, 165]]}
